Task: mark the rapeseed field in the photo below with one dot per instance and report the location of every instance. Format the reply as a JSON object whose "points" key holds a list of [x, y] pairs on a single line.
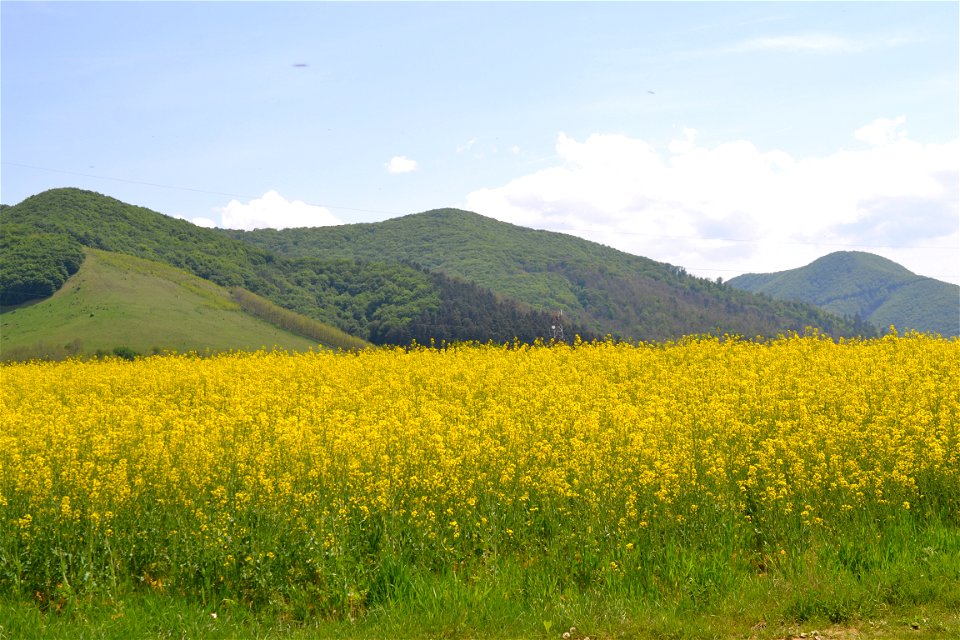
{"points": [[328, 486]]}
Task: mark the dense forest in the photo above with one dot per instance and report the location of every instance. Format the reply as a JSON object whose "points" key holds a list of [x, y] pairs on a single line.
{"points": [[442, 275], [382, 302], [867, 286], [605, 290], [33, 265]]}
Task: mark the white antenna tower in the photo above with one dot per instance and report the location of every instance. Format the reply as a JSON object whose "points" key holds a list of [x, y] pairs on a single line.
{"points": [[556, 326]]}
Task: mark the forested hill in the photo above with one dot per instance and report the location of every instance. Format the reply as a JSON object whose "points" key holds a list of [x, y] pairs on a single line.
{"points": [[607, 290], [446, 274], [874, 288], [42, 241]]}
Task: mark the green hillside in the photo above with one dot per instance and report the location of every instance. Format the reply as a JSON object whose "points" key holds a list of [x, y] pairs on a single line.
{"points": [[876, 289], [34, 264], [378, 300], [118, 301], [606, 290], [444, 275], [100, 222]]}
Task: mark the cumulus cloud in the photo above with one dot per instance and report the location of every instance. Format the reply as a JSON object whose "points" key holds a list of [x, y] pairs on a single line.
{"points": [[401, 164], [206, 223], [275, 212], [735, 208], [882, 131]]}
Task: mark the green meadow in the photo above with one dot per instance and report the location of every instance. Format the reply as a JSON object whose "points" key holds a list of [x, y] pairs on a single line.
{"points": [[117, 301]]}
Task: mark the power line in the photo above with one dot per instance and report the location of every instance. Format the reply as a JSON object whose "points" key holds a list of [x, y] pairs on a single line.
{"points": [[191, 189], [99, 177], [566, 230]]}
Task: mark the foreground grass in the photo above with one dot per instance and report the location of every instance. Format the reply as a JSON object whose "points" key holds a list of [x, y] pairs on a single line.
{"points": [[155, 616], [910, 590]]}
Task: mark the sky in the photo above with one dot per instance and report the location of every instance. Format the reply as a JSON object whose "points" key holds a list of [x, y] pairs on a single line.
{"points": [[723, 137]]}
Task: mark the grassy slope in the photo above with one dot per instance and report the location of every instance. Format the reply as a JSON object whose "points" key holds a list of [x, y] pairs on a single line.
{"points": [[609, 290], [373, 299], [881, 291], [118, 300]]}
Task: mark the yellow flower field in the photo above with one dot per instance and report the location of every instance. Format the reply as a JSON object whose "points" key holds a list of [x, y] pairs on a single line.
{"points": [[340, 478]]}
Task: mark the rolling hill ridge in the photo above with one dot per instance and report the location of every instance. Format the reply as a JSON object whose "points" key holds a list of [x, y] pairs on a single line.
{"points": [[606, 290], [445, 274], [383, 302], [878, 290]]}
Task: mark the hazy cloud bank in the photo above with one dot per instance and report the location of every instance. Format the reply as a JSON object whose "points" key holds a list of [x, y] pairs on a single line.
{"points": [[735, 208]]}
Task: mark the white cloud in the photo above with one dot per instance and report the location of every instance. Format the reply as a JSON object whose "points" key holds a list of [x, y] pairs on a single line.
{"points": [[467, 145], [882, 131], [685, 145], [275, 212], [819, 43], [811, 42], [401, 164], [734, 208], [206, 223]]}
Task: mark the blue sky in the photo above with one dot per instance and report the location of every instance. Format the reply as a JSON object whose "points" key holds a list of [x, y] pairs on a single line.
{"points": [[725, 137]]}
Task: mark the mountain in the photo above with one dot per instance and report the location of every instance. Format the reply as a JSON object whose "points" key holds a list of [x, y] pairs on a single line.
{"points": [[875, 289], [119, 302], [445, 274], [605, 290], [43, 240]]}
